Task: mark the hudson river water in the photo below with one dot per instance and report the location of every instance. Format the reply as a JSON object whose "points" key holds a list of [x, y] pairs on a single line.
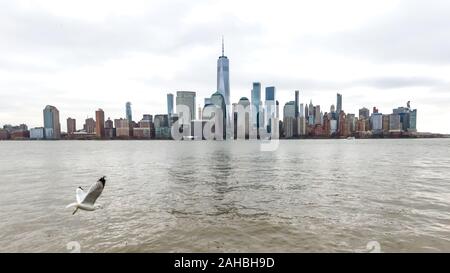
{"points": [[169, 196]]}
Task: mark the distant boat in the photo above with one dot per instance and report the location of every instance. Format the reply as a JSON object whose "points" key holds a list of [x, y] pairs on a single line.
{"points": [[351, 138]]}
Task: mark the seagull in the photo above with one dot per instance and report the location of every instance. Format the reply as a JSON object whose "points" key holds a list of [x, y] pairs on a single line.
{"points": [[86, 200]]}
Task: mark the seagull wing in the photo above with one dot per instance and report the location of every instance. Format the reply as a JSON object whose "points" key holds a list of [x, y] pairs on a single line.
{"points": [[81, 194], [94, 192]]}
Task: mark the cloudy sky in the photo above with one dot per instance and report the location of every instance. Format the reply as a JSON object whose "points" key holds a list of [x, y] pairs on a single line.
{"points": [[82, 55]]}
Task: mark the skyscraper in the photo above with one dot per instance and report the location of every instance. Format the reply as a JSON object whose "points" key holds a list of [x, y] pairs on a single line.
{"points": [[223, 76], [256, 101], [243, 122], [129, 114], [89, 126], [311, 113], [270, 93], [364, 113], [296, 104], [317, 116], [110, 131], [339, 103], [122, 128], [223, 84], [270, 105], [52, 126], [71, 126], [413, 121], [100, 123], [170, 104], [186, 98], [289, 119], [219, 101]]}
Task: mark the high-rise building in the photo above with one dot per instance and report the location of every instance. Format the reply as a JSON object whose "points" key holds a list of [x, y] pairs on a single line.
{"points": [[186, 98], [122, 128], [144, 129], [162, 129], [296, 104], [351, 123], [376, 121], [413, 121], [89, 126], [386, 120], [223, 84], [169, 104], [71, 126], [289, 112], [223, 76], [52, 126], [317, 115], [342, 124], [128, 112], [311, 113], [256, 102], [339, 103], [364, 113], [395, 123], [270, 93], [219, 101], [243, 126], [110, 131], [289, 109], [100, 123], [148, 117], [270, 106]]}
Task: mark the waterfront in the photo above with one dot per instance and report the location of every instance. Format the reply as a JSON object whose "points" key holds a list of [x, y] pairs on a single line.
{"points": [[170, 196]]}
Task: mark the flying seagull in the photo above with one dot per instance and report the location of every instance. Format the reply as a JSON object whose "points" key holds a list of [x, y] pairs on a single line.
{"points": [[86, 200]]}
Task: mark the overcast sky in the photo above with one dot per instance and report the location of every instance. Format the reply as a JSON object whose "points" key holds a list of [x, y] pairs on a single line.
{"points": [[83, 55]]}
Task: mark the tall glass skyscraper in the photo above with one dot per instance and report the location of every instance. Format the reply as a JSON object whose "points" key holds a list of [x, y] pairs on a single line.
{"points": [[223, 76], [128, 112], [339, 103], [52, 127], [270, 93], [223, 84], [256, 101], [170, 104], [270, 106]]}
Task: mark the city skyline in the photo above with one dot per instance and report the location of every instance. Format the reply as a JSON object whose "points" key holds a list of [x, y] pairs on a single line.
{"points": [[274, 48]]}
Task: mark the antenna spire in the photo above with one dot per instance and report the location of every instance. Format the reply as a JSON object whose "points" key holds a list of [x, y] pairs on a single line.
{"points": [[223, 47]]}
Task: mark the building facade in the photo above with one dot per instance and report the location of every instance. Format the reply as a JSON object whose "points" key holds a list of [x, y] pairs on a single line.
{"points": [[52, 125]]}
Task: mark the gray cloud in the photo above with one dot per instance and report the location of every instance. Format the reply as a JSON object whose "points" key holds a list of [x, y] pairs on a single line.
{"points": [[36, 43], [415, 32], [391, 82], [67, 42]]}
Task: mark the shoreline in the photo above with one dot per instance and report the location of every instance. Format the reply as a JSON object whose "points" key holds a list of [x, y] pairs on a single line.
{"points": [[434, 136]]}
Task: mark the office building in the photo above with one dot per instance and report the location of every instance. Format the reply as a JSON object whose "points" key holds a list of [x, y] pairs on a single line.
{"points": [[52, 126], [100, 123], [186, 98], [170, 104], [128, 112], [71, 126]]}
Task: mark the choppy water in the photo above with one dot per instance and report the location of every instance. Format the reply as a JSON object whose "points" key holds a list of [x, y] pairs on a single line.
{"points": [[167, 196]]}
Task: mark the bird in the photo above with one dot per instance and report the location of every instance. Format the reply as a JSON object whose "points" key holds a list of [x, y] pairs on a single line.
{"points": [[86, 200]]}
